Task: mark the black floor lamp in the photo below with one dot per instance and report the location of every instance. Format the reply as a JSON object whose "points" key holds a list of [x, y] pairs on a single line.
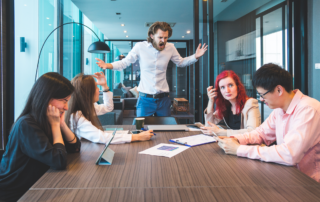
{"points": [[95, 47]]}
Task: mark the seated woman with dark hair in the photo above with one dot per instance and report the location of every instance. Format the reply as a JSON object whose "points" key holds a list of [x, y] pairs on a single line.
{"points": [[83, 110], [39, 139], [234, 108]]}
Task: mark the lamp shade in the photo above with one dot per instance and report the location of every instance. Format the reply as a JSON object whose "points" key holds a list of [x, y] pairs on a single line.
{"points": [[98, 47]]}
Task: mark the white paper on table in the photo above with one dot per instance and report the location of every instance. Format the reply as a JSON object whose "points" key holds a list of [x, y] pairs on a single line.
{"points": [[156, 152], [195, 140]]}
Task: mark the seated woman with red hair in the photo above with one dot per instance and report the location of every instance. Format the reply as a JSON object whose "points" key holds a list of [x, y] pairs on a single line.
{"points": [[234, 109]]}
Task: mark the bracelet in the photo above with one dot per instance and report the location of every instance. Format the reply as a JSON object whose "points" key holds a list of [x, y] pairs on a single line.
{"points": [[106, 90], [72, 139]]}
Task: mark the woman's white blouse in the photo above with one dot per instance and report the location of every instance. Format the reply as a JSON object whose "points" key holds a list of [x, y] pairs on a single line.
{"points": [[85, 129]]}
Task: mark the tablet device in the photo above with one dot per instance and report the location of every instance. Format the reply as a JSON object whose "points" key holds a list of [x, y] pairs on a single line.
{"points": [[107, 154]]}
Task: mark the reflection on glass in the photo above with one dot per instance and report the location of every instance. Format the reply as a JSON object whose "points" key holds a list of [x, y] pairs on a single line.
{"points": [[89, 61], [258, 43], [71, 40], [47, 22], [272, 38]]}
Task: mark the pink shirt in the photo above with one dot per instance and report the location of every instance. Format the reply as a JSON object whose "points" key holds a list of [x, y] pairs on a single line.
{"points": [[297, 132]]}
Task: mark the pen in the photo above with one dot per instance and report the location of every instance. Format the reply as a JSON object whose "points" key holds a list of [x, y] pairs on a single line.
{"points": [[178, 142], [214, 134], [146, 130]]}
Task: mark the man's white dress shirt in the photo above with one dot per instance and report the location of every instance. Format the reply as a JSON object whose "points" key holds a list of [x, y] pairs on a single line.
{"points": [[85, 129], [153, 65]]}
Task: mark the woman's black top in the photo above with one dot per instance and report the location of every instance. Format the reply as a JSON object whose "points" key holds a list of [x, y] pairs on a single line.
{"points": [[29, 154], [233, 120]]}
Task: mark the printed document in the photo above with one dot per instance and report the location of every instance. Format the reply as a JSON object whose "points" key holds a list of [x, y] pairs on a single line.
{"points": [[166, 150]]}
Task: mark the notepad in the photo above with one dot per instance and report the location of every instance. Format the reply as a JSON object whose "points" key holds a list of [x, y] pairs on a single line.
{"points": [[194, 140]]}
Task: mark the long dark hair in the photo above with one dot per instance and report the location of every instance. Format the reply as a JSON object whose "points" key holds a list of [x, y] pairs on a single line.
{"points": [[49, 86], [221, 103], [82, 100]]}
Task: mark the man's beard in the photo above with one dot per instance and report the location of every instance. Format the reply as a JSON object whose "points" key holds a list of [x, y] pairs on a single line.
{"points": [[156, 46]]}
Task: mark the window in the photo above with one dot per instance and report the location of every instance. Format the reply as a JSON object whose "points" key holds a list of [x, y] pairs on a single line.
{"points": [[64, 51]]}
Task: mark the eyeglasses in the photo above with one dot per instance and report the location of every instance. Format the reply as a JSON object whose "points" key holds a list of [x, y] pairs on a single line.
{"points": [[264, 93]]}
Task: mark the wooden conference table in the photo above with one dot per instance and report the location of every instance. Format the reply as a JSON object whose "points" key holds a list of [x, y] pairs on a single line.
{"points": [[202, 173]]}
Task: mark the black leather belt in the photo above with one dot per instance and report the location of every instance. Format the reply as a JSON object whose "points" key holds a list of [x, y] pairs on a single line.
{"points": [[160, 95]]}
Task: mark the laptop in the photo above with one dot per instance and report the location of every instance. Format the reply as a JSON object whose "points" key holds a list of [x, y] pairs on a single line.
{"points": [[107, 154], [168, 127]]}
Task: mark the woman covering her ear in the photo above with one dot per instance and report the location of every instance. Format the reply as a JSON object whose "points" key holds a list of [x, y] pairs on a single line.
{"points": [[39, 139], [83, 110], [234, 109]]}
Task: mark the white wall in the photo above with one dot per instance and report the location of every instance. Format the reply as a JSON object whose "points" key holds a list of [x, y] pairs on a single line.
{"points": [[26, 25]]}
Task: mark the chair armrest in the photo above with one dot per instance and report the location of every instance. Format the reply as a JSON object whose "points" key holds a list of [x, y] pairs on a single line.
{"points": [[118, 105], [130, 103]]}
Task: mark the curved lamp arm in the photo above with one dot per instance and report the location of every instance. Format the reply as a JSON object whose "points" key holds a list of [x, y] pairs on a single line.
{"points": [[50, 35]]}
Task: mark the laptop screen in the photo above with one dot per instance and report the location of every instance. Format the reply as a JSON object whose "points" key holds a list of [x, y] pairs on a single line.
{"points": [[168, 127]]}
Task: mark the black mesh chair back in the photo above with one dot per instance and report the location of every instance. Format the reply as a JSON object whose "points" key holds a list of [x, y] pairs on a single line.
{"points": [[1, 154], [158, 120]]}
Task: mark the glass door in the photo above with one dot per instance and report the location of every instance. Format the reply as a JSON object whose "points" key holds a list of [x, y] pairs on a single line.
{"points": [[271, 44]]}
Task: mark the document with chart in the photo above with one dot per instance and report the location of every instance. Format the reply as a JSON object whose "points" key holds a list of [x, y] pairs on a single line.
{"points": [[166, 150]]}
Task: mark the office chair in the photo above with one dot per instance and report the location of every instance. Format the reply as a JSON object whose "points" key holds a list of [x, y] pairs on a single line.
{"points": [[158, 120]]}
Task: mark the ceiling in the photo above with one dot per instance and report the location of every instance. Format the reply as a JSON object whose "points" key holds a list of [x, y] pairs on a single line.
{"points": [[135, 14]]}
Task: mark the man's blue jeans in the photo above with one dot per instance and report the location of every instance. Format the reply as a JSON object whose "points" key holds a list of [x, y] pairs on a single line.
{"points": [[149, 106]]}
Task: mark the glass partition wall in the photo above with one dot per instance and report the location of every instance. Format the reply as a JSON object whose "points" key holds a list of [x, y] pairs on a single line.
{"points": [[246, 34], [130, 77], [65, 51], [242, 36], [272, 46]]}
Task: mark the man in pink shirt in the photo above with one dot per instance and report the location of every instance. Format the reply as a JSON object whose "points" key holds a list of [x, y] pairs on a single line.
{"points": [[294, 124]]}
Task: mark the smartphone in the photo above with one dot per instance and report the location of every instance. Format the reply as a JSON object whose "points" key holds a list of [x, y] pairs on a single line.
{"points": [[136, 131], [198, 124], [193, 126]]}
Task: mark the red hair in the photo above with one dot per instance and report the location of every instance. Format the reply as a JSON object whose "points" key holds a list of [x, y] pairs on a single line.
{"points": [[221, 103]]}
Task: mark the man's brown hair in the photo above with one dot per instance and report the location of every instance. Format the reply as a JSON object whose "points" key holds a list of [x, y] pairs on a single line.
{"points": [[159, 25]]}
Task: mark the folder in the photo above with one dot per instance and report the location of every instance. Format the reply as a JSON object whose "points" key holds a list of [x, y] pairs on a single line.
{"points": [[194, 140]]}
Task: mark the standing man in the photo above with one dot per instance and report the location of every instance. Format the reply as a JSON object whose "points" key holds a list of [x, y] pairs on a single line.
{"points": [[293, 125], [154, 56]]}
